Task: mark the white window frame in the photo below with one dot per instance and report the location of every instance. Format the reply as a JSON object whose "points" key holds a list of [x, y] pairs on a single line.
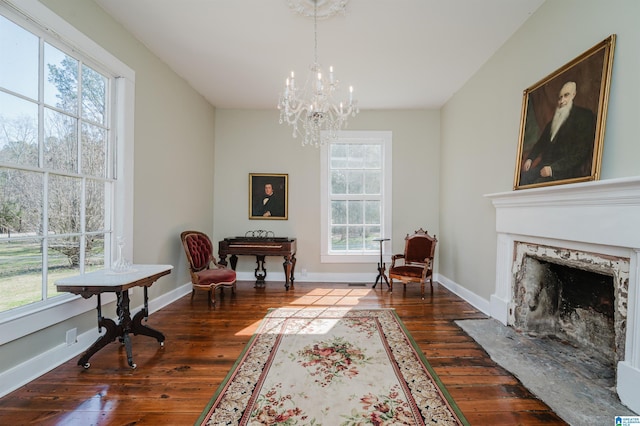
{"points": [[385, 139], [35, 16]]}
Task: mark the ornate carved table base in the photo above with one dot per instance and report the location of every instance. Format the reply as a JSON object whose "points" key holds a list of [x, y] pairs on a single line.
{"points": [[103, 281]]}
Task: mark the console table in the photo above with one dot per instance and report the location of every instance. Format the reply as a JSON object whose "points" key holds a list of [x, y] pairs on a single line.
{"points": [[260, 247], [105, 280]]}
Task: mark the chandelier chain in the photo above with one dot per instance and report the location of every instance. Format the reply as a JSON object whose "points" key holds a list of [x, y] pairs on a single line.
{"points": [[311, 109]]}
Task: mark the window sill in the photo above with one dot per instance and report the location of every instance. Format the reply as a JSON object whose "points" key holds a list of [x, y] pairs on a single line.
{"points": [[25, 322], [351, 258]]}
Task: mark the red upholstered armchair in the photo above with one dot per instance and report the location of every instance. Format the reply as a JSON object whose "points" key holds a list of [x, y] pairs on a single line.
{"points": [[416, 264], [205, 272]]}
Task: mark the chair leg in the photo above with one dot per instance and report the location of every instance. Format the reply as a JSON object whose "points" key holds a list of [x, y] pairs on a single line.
{"points": [[422, 289], [213, 296], [193, 293], [390, 285]]}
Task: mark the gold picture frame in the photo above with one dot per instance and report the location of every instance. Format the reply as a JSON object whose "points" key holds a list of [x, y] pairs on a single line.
{"points": [[559, 145], [269, 196]]}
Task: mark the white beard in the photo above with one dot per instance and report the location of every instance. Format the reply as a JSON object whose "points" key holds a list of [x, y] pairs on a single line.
{"points": [[559, 118]]}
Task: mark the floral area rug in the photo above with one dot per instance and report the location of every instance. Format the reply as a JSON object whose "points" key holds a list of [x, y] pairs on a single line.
{"points": [[331, 366]]}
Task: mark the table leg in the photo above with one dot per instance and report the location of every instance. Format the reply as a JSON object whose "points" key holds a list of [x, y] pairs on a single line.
{"points": [[381, 269], [125, 324], [112, 332], [289, 265], [138, 328], [260, 271]]}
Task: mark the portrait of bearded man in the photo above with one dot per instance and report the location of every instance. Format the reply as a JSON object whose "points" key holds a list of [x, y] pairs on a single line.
{"points": [[564, 149]]}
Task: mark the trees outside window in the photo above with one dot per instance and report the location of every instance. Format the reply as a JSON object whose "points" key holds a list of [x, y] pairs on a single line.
{"points": [[56, 164], [356, 195]]}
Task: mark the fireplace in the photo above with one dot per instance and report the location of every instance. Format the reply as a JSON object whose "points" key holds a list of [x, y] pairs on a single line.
{"points": [[571, 295], [567, 263]]}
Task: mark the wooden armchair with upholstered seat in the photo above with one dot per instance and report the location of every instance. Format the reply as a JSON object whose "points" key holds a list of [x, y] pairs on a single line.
{"points": [[206, 273], [415, 265]]}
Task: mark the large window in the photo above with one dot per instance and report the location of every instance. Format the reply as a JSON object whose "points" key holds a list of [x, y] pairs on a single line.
{"points": [[58, 169], [356, 196]]}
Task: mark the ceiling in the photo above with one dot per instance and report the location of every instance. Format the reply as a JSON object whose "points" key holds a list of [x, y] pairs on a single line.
{"points": [[398, 54]]}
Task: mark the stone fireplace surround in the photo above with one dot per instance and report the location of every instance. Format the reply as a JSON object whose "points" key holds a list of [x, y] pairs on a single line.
{"points": [[600, 217]]}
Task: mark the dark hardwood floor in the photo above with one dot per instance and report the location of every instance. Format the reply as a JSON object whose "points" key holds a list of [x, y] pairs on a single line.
{"points": [[172, 384]]}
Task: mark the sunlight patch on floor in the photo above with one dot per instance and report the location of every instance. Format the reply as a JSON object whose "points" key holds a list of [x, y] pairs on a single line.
{"points": [[343, 297], [332, 297]]}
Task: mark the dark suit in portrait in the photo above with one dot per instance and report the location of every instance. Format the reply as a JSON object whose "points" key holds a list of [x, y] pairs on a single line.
{"points": [[565, 155], [270, 204]]}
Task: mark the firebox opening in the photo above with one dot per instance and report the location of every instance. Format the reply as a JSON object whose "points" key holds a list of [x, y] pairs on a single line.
{"points": [[567, 303]]}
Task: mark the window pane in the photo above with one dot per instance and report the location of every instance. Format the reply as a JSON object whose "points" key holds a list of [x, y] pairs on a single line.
{"points": [[60, 142], [338, 182], [94, 150], [21, 208], [64, 205], [373, 182], [355, 182], [18, 59], [94, 209], [60, 80], [356, 238], [20, 273], [338, 156], [64, 261], [94, 95], [356, 212], [371, 232], [338, 212], [94, 252], [356, 156], [373, 157], [19, 135], [339, 238], [372, 212]]}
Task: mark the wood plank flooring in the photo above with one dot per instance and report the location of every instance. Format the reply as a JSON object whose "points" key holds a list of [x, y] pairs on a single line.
{"points": [[172, 384]]}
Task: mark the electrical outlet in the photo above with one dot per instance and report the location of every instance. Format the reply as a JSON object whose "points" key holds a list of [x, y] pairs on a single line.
{"points": [[303, 273], [72, 336]]}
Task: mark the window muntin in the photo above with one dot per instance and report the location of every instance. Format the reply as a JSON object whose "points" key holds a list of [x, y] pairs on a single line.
{"points": [[55, 165], [356, 198]]}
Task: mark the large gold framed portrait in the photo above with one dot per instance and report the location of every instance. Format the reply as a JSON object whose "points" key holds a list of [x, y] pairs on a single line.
{"points": [[563, 121]]}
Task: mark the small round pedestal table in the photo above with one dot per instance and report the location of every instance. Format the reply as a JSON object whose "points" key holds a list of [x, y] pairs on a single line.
{"points": [[381, 267]]}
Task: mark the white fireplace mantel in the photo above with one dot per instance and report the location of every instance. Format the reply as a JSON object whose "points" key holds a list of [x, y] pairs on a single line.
{"points": [[598, 216]]}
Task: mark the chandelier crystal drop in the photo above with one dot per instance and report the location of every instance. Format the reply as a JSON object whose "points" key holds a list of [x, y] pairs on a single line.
{"points": [[312, 108]]}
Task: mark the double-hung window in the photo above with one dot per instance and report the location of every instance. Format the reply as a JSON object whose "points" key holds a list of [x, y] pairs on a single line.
{"points": [[59, 158], [356, 196]]}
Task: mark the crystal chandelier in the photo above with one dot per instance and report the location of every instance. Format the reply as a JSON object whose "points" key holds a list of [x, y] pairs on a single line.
{"points": [[311, 109]]}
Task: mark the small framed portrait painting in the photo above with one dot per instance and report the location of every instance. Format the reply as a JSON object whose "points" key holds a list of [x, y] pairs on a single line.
{"points": [[268, 196]]}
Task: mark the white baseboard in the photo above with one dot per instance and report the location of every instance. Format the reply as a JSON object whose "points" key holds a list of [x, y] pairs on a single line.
{"points": [[44, 362], [478, 302], [315, 277]]}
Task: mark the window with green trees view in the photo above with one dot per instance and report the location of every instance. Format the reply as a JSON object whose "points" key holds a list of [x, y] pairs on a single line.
{"points": [[56, 164], [356, 195]]}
